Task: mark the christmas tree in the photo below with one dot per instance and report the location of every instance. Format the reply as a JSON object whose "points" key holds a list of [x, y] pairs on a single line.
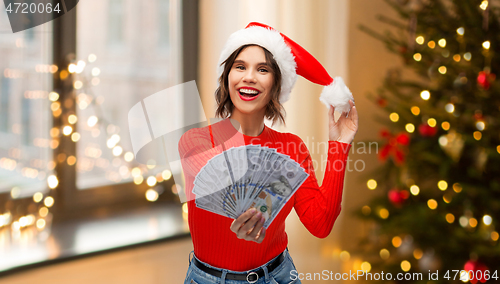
{"points": [[439, 179]]}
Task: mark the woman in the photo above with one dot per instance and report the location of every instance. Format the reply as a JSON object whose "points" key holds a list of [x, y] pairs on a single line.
{"points": [[258, 68]]}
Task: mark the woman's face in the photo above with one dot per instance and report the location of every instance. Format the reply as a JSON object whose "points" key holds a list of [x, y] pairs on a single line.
{"points": [[250, 81]]}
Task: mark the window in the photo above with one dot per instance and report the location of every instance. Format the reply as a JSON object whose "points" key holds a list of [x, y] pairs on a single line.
{"points": [[114, 21], [25, 115], [164, 24], [125, 77], [4, 103]]}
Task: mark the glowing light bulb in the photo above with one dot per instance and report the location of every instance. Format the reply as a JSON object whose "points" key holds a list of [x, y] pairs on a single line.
{"points": [[67, 130], [487, 220], [80, 66], [394, 117], [72, 119], [371, 184], [420, 40], [432, 204], [425, 95], [151, 181], [405, 265], [96, 71], [431, 122], [415, 110], [166, 174], [384, 253], [366, 266], [410, 127], [52, 181], [484, 5], [414, 189], [417, 253], [442, 42], [396, 241], [37, 197], [151, 195], [117, 151], [129, 156], [72, 68], [442, 185], [486, 44], [383, 213], [49, 201], [345, 255], [449, 107], [450, 218], [480, 125], [53, 96], [92, 121]]}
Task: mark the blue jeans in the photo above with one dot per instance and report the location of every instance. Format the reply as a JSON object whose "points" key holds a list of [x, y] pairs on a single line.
{"points": [[280, 275]]}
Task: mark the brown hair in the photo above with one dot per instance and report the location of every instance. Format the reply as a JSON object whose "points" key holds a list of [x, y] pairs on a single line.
{"points": [[225, 107]]}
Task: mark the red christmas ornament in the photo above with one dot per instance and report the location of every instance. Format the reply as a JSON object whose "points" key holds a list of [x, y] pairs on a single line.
{"points": [[475, 266], [426, 130], [484, 79], [398, 197], [394, 147], [403, 139]]}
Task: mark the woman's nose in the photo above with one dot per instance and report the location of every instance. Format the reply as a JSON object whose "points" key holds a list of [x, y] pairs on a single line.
{"points": [[249, 76]]}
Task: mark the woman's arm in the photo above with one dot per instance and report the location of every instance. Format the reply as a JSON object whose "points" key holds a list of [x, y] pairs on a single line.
{"points": [[195, 149], [318, 207]]}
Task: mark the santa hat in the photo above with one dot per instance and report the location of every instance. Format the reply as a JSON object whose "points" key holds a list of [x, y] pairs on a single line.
{"points": [[292, 59]]}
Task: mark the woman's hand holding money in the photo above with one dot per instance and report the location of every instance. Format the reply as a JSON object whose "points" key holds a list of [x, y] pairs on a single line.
{"points": [[248, 226]]}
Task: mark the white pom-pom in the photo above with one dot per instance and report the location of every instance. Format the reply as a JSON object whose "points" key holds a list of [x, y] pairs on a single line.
{"points": [[338, 95]]}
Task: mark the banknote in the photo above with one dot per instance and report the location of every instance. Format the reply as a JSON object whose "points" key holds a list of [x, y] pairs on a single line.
{"points": [[250, 176]]}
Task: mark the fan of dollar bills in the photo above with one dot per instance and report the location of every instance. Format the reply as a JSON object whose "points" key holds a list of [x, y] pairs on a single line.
{"points": [[246, 177]]}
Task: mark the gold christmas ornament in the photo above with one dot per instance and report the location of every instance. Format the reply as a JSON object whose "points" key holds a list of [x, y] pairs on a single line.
{"points": [[452, 144]]}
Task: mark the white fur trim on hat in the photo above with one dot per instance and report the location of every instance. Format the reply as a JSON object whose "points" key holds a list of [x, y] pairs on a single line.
{"points": [[274, 43], [337, 94]]}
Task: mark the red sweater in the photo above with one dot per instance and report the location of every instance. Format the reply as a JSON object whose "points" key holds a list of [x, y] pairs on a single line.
{"points": [[317, 207]]}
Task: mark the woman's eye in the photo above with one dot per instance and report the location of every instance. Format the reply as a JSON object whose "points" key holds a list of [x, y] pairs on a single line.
{"points": [[240, 67], [263, 70]]}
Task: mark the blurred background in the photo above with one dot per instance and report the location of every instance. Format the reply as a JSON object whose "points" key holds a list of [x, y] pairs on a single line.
{"points": [[421, 192]]}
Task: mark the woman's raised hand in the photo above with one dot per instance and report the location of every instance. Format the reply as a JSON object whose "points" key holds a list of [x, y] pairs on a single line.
{"points": [[346, 126], [249, 226]]}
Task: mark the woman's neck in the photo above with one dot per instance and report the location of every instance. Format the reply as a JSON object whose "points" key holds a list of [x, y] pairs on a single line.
{"points": [[250, 124]]}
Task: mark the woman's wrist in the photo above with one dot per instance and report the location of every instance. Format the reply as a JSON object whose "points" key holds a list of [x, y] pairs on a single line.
{"points": [[340, 140]]}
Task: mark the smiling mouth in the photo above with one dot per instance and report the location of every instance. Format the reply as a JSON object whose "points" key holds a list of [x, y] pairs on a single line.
{"points": [[248, 93]]}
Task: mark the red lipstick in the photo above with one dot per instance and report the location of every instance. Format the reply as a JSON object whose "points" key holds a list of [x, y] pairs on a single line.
{"points": [[248, 97]]}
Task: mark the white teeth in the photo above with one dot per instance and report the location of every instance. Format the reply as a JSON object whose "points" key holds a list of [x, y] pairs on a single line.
{"points": [[248, 91]]}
